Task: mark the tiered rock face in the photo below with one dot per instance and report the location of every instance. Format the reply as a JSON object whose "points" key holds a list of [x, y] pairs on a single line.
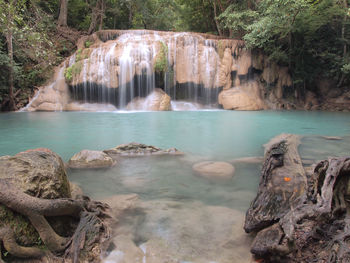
{"points": [[123, 67]]}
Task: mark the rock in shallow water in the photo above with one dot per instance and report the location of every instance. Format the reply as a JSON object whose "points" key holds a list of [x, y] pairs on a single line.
{"points": [[283, 182], [214, 170], [161, 231], [139, 149], [91, 159]]}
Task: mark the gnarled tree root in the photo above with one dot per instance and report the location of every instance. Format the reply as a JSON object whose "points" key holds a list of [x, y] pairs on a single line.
{"points": [[8, 239], [90, 229]]}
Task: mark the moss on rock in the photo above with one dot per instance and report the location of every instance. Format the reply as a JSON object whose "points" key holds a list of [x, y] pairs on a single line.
{"points": [[161, 61]]}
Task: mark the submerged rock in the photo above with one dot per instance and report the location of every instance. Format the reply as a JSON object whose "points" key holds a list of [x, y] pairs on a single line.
{"points": [[214, 170], [159, 231], [139, 149], [91, 159]]}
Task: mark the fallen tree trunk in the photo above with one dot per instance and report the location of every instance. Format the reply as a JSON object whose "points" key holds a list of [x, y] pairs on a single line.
{"points": [[314, 229]]}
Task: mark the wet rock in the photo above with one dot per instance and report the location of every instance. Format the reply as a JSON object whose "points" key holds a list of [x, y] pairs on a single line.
{"points": [[139, 149], [121, 204], [297, 221], [282, 186], [244, 97], [73, 106], [214, 170], [91, 159], [158, 100]]}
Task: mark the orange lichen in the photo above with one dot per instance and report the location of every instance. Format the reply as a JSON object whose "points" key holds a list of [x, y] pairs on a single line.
{"points": [[287, 179]]}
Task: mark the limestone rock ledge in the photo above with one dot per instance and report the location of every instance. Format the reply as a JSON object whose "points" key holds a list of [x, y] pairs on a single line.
{"points": [[244, 97]]}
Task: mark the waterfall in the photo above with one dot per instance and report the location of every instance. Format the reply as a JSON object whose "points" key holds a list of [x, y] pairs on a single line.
{"points": [[123, 67]]}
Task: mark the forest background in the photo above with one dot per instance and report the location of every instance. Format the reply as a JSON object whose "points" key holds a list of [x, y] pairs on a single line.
{"points": [[311, 37]]}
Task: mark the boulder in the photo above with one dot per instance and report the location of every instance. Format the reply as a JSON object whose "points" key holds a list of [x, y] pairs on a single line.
{"points": [[38, 173], [139, 149], [244, 97], [214, 170], [90, 159], [158, 100], [38, 217]]}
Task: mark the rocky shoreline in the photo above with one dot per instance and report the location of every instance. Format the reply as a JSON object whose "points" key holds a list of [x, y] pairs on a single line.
{"points": [[300, 213]]}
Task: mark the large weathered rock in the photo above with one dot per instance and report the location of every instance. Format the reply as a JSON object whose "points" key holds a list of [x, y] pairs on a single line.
{"points": [[282, 186], [38, 173], [90, 159], [38, 215], [52, 97], [214, 170], [245, 97], [139, 149]]}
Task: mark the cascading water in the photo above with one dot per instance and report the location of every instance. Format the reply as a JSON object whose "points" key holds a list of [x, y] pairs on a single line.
{"points": [[122, 70], [149, 70]]}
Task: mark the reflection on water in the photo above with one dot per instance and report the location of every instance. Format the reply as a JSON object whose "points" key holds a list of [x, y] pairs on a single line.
{"points": [[165, 212]]}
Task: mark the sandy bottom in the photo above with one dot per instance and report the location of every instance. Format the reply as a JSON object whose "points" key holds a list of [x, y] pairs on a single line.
{"points": [[162, 231]]}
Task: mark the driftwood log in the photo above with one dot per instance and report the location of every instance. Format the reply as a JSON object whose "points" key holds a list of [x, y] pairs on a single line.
{"points": [[88, 217], [311, 225]]}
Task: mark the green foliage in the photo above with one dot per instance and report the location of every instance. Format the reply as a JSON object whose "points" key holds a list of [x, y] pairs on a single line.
{"points": [[237, 17], [302, 34], [161, 64], [73, 71], [88, 43], [79, 55]]}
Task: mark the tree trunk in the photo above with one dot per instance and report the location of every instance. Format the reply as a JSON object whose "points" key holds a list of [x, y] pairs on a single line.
{"points": [[94, 18], [62, 18], [216, 21], [130, 16], [9, 38], [345, 5], [102, 14]]}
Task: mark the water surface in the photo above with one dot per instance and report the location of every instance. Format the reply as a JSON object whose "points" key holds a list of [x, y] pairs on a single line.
{"points": [[176, 210]]}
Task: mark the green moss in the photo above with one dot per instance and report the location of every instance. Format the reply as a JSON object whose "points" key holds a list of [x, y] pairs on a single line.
{"points": [[25, 233], [88, 43], [72, 71], [79, 55], [161, 64]]}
